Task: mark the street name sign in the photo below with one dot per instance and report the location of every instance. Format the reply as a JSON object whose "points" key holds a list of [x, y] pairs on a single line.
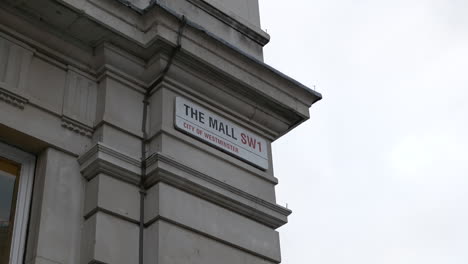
{"points": [[218, 132]]}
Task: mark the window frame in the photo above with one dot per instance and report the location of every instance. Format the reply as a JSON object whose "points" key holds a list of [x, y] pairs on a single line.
{"points": [[23, 200]]}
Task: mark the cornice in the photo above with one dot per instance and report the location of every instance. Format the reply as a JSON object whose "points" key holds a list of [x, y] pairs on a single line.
{"points": [[257, 109], [170, 221], [161, 169], [98, 209], [110, 71], [103, 159], [12, 27], [232, 20], [244, 27], [213, 152], [245, 76], [102, 148]]}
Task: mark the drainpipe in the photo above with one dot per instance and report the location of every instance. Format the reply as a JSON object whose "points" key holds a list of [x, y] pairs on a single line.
{"points": [[145, 136]]}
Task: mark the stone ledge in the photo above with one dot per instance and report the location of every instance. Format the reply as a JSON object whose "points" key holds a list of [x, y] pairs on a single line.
{"points": [[103, 159], [238, 163], [167, 202], [165, 169], [234, 21], [208, 236], [111, 213], [247, 77], [77, 127], [229, 18]]}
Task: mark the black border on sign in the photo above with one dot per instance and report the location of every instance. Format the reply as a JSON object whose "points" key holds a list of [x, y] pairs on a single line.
{"points": [[210, 143]]}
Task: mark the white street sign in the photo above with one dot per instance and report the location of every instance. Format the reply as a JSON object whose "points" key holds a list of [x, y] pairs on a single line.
{"points": [[210, 128]]}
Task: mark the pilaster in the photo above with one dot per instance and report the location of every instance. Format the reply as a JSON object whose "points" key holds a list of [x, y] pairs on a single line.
{"points": [[112, 206], [57, 210]]}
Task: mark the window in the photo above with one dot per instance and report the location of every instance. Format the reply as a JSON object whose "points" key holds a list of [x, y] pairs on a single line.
{"points": [[16, 178], [9, 172]]}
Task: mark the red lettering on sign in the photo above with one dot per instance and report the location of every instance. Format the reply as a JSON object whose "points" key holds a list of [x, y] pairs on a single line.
{"points": [[189, 126], [221, 143], [251, 142]]}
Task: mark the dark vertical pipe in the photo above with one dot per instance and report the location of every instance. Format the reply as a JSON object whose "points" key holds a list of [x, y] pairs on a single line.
{"points": [[145, 138]]}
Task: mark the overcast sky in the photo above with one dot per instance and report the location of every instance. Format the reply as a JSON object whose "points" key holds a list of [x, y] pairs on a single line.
{"points": [[379, 174]]}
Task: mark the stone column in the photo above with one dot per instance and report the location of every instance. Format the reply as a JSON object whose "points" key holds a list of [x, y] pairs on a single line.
{"points": [[111, 232]]}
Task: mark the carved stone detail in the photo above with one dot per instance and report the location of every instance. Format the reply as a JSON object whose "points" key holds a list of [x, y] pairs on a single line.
{"points": [[77, 127], [13, 99], [103, 159], [79, 103], [14, 66], [14, 63], [163, 168], [80, 97]]}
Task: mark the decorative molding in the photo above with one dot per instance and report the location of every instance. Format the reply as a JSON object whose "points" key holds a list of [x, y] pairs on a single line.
{"points": [[77, 127], [51, 60], [232, 20], [160, 218], [237, 23], [85, 73], [14, 66], [174, 163], [111, 72], [12, 98], [103, 159], [229, 112], [118, 128], [98, 209], [262, 211], [111, 169], [42, 51], [80, 98], [79, 102], [255, 75], [215, 153], [101, 148]]}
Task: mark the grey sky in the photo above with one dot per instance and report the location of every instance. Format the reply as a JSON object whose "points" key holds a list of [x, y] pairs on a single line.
{"points": [[379, 174]]}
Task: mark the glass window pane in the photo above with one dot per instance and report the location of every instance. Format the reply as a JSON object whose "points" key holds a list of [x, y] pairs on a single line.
{"points": [[9, 172]]}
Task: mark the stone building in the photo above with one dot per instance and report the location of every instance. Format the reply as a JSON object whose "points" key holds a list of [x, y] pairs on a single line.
{"points": [[140, 132]]}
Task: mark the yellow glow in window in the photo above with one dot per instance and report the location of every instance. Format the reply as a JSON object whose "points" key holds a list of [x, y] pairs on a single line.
{"points": [[9, 172]]}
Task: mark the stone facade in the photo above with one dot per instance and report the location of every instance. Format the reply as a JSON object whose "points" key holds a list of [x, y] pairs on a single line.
{"points": [[89, 88]]}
